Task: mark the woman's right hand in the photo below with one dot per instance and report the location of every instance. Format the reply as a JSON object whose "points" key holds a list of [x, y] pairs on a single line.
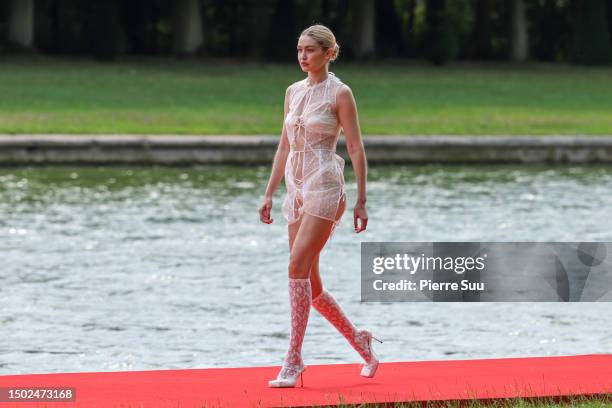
{"points": [[265, 211], [360, 215]]}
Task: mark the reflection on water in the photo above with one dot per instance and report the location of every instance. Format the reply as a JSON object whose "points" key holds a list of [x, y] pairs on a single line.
{"points": [[110, 269]]}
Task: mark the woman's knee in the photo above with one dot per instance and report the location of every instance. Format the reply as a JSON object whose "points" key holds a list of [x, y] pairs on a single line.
{"points": [[316, 286], [315, 279], [308, 245], [299, 267]]}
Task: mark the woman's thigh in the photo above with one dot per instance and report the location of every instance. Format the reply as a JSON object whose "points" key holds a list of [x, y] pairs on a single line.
{"points": [[309, 239], [292, 229]]}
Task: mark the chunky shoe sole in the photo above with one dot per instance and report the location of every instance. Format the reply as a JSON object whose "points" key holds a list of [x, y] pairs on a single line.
{"points": [[288, 382], [369, 369]]}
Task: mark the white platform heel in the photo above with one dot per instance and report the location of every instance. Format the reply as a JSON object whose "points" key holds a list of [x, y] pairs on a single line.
{"points": [[288, 377], [300, 293], [369, 368], [360, 340]]}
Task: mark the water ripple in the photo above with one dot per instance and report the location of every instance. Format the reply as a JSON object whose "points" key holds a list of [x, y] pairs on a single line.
{"points": [[148, 268]]}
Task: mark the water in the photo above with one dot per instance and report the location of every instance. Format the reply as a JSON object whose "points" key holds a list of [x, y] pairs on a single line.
{"points": [[108, 269]]}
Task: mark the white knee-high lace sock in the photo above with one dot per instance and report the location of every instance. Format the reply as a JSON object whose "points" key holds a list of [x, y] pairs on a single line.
{"points": [[300, 299], [327, 305]]}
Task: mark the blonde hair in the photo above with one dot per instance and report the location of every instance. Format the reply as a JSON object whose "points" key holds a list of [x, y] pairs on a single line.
{"points": [[324, 37]]}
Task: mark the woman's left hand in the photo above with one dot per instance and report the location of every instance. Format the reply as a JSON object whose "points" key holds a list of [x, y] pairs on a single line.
{"points": [[360, 213]]}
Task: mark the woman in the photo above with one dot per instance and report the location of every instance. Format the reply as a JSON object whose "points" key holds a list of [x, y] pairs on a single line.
{"points": [[315, 109]]}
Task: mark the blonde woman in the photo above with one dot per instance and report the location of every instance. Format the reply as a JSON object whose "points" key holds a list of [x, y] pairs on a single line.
{"points": [[315, 110]]}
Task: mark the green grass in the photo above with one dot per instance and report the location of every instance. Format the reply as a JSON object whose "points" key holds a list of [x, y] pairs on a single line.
{"points": [[44, 95], [600, 401], [579, 401]]}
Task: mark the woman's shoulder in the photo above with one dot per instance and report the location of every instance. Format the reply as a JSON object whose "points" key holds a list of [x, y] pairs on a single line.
{"points": [[343, 96], [339, 86], [342, 90], [335, 80], [296, 84], [292, 88]]}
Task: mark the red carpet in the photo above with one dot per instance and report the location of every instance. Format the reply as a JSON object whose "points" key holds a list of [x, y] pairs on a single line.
{"points": [[330, 384]]}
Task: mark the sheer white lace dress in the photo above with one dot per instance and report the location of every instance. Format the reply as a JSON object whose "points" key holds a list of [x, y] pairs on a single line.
{"points": [[314, 173]]}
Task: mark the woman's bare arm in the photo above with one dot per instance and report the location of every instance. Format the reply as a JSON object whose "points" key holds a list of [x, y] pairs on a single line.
{"points": [[280, 157], [349, 120], [278, 169], [347, 114]]}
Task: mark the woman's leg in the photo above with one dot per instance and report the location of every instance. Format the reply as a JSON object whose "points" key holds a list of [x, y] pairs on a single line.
{"points": [[316, 283], [325, 303], [309, 240], [315, 278]]}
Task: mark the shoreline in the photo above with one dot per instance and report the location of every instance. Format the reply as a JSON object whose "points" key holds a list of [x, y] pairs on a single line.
{"points": [[186, 150]]}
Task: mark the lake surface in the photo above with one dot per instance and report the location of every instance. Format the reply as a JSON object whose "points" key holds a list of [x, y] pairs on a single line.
{"points": [[117, 268]]}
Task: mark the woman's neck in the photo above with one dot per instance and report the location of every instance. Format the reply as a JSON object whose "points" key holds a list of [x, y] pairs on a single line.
{"points": [[317, 77]]}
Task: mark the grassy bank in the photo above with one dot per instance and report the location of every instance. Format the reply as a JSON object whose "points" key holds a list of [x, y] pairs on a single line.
{"points": [[44, 95], [579, 401]]}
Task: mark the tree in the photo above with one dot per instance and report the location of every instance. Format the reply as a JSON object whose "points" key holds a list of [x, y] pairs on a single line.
{"points": [[139, 26], [411, 43], [519, 44], [389, 40], [481, 44], [282, 34], [441, 37], [363, 28], [551, 36], [107, 34], [610, 20], [187, 27], [592, 40], [21, 24]]}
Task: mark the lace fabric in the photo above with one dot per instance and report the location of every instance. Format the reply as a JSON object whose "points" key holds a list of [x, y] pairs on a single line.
{"points": [[314, 173], [327, 305], [300, 299]]}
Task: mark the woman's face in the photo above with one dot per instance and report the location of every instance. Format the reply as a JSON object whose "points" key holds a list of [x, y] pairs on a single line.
{"points": [[311, 56]]}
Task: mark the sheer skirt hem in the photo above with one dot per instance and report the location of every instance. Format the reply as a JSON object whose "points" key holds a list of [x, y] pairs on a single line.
{"points": [[335, 222]]}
